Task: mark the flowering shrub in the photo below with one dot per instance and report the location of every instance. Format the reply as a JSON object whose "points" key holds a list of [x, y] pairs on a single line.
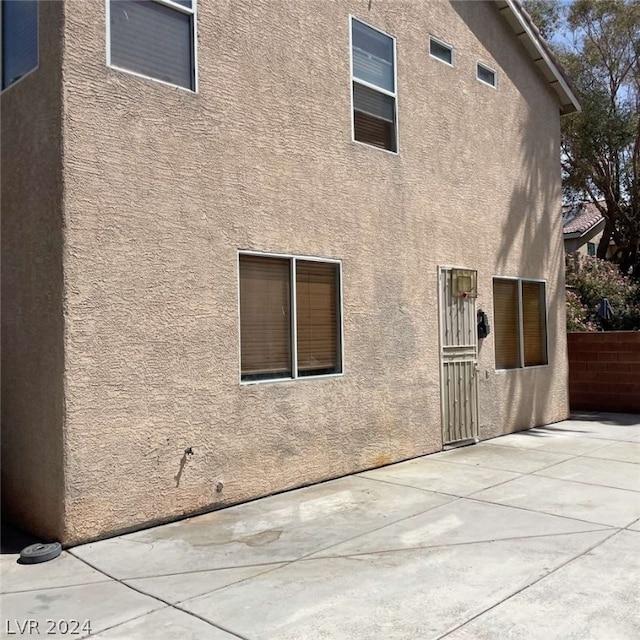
{"points": [[590, 280], [577, 315]]}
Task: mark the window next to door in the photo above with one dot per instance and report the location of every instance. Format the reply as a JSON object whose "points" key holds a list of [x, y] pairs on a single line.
{"points": [[520, 323], [290, 317]]}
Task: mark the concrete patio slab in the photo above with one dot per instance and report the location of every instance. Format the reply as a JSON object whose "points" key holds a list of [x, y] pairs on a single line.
{"points": [[440, 476], [102, 605], [611, 426], [176, 588], [485, 542], [494, 457], [461, 522], [391, 596], [541, 439], [166, 624], [66, 571], [280, 528], [622, 451], [595, 597], [606, 473], [592, 503]]}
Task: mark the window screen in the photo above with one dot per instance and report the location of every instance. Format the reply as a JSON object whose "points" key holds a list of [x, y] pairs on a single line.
{"points": [[270, 287], [519, 308], [317, 315], [265, 317], [534, 324], [154, 40], [374, 86], [19, 39], [506, 334]]}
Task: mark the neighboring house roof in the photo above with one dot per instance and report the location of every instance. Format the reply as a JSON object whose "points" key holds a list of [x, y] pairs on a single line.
{"points": [[537, 47], [580, 219]]}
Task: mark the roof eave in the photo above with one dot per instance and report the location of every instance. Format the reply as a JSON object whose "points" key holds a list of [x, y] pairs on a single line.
{"points": [[596, 227], [540, 53]]}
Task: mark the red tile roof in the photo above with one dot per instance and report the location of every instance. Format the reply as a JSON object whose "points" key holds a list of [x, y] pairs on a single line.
{"points": [[579, 218]]}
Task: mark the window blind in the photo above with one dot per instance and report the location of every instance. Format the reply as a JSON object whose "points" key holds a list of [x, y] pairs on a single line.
{"points": [[317, 317], [533, 324], [265, 317], [19, 39], [506, 324], [373, 117], [372, 54], [374, 112], [373, 102], [154, 40]]}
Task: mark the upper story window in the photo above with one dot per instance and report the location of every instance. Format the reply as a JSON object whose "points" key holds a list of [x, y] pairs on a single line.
{"points": [[19, 39], [290, 317], [486, 75], [155, 39], [520, 323], [373, 79], [440, 51]]}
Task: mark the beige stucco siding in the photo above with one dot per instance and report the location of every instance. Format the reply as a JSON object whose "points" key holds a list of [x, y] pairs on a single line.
{"points": [[164, 187], [32, 290]]}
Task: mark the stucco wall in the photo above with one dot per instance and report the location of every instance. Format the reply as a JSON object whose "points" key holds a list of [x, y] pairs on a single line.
{"points": [[164, 187], [32, 290]]}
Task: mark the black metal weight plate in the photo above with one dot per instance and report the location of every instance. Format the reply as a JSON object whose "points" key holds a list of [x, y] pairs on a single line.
{"points": [[40, 552]]}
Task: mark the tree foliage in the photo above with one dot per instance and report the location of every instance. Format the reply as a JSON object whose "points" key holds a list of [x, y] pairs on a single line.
{"points": [[546, 15], [589, 280], [601, 144], [598, 42]]}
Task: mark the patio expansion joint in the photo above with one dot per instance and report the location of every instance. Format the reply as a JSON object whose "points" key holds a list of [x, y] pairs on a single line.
{"points": [[273, 565], [453, 544], [588, 484], [570, 456], [547, 513], [158, 599], [58, 586], [453, 496], [307, 556], [550, 450], [528, 585]]}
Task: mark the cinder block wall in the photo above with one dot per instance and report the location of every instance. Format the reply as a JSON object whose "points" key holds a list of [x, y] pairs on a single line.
{"points": [[604, 371]]}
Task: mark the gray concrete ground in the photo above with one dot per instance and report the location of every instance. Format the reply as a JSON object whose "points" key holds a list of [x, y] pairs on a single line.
{"points": [[534, 535]]}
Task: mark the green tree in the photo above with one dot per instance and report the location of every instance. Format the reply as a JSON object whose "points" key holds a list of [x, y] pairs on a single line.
{"points": [[601, 144], [598, 42], [546, 15]]}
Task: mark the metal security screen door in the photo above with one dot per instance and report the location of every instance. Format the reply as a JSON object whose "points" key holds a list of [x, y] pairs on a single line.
{"points": [[458, 360]]}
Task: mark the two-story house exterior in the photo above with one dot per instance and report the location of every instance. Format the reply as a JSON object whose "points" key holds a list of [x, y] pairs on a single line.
{"points": [[227, 239]]}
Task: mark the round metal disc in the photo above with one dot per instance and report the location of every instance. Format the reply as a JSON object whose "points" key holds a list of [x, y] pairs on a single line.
{"points": [[40, 552]]}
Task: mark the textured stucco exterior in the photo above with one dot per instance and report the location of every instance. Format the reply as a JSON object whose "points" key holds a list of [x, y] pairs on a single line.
{"points": [[32, 289], [163, 187]]}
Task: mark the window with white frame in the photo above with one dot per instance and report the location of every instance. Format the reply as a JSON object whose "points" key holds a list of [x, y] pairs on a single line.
{"points": [[373, 82], [486, 75], [19, 33], [155, 39], [520, 323], [440, 51], [290, 317]]}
